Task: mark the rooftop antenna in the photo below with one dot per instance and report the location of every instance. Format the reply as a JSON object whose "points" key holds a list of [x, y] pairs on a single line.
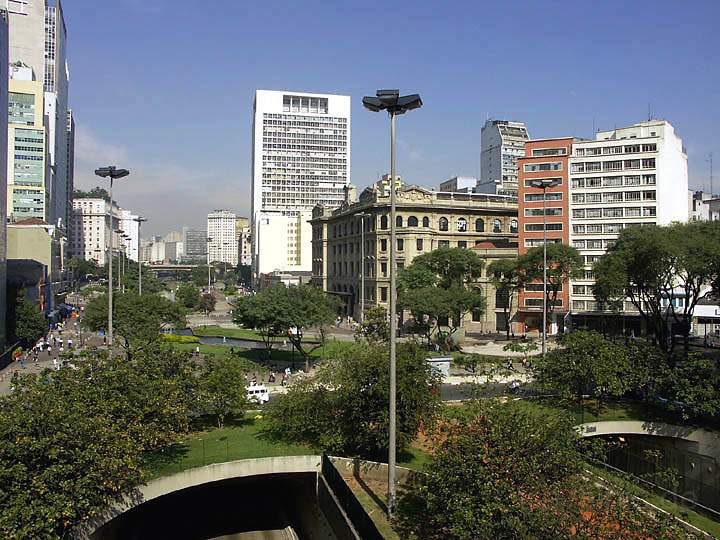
{"points": [[710, 160], [650, 114]]}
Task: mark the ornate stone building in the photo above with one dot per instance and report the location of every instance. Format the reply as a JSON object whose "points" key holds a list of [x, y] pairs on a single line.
{"points": [[354, 239]]}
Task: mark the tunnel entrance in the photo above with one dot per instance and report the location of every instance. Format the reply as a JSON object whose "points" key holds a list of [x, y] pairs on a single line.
{"points": [[245, 508]]}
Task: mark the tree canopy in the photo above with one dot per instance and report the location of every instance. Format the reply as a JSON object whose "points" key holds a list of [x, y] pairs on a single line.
{"points": [[344, 409], [30, 323], [188, 296], [508, 278]]}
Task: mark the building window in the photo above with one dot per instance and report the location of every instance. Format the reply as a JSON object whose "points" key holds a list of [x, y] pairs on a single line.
{"points": [[419, 244], [537, 167], [444, 224], [533, 227], [398, 221], [383, 245], [514, 226], [443, 243], [383, 294], [549, 152], [400, 244], [426, 221], [412, 221], [462, 225], [497, 226], [383, 269], [383, 222], [479, 225], [462, 244]]}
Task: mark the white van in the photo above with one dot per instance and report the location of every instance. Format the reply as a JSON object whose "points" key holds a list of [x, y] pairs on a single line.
{"points": [[257, 393]]}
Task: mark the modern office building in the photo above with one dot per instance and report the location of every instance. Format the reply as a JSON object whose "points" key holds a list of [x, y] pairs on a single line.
{"points": [[502, 142], [285, 240], [545, 159], [426, 220], [38, 40], [222, 246], [301, 157], [195, 245], [459, 184], [70, 166], [4, 174], [94, 224], [28, 183], [626, 177], [131, 231]]}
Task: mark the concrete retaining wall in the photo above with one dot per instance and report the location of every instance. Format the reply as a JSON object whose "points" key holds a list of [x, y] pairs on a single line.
{"points": [[702, 441]]}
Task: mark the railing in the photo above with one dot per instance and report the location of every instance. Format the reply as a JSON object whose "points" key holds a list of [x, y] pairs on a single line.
{"points": [[349, 503]]}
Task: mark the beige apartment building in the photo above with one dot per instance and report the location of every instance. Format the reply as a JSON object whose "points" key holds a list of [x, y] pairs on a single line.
{"points": [[353, 240]]}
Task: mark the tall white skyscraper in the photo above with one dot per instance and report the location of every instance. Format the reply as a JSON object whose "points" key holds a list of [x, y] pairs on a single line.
{"points": [[301, 157], [38, 41], [131, 230], [222, 246], [502, 142]]}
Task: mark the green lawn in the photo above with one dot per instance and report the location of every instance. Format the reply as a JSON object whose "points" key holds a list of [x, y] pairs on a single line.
{"points": [[237, 333], [240, 440]]}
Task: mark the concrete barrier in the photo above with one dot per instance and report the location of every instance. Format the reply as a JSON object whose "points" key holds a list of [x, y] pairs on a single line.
{"points": [[701, 440], [196, 477]]}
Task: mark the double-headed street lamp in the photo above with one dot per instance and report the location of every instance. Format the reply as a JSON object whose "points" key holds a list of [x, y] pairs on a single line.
{"points": [[395, 104], [112, 173], [120, 233], [140, 220], [208, 256], [544, 184]]}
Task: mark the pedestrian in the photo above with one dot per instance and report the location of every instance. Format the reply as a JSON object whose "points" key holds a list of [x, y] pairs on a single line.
{"points": [[70, 344], [21, 359], [54, 341], [61, 348], [55, 364], [197, 350]]}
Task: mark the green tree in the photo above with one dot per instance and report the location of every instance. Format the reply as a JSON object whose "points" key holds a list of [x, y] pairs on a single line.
{"points": [[514, 471], [150, 283], [207, 302], [508, 278], [658, 269], [693, 387], [95, 193], [564, 263], [222, 388], [344, 408], [188, 295], [285, 311], [199, 275], [137, 320], [586, 363], [376, 326], [441, 285], [30, 324]]}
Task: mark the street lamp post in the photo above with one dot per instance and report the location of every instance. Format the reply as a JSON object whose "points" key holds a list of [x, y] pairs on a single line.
{"points": [[544, 184], [140, 220], [113, 173], [362, 215], [394, 104], [119, 232], [208, 256]]}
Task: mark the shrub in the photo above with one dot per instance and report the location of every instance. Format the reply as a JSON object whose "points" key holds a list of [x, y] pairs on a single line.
{"points": [[174, 338]]}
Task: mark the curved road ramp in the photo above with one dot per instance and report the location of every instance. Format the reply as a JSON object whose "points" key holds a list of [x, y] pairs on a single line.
{"points": [[283, 498]]}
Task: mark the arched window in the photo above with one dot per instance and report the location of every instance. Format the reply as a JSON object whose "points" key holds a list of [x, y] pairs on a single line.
{"points": [[383, 222], [443, 224], [462, 225], [497, 226], [479, 225], [412, 221], [398, 221], [426, 221], [514, 226]]}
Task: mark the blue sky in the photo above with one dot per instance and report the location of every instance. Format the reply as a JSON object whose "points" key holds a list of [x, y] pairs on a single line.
{"points": [[165, 88]]}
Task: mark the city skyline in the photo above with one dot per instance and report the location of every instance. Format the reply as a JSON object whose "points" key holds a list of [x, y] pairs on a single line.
{"points": [[461, 61]]}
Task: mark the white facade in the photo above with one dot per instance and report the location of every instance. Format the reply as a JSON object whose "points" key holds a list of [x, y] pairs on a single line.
{"points": [[502, 142], [626, 177], [223, 246], [93, 223], [459, 183], [288, 241], [301, 157], [132, 231], [38, 39]]}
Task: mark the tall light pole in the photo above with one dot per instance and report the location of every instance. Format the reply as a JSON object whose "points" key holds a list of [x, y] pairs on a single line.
{"points": [[208, 255], [119, 232], [113, 173], [362, 215], [140, 220], [394, 104], [224, 258], [544, 184]]}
